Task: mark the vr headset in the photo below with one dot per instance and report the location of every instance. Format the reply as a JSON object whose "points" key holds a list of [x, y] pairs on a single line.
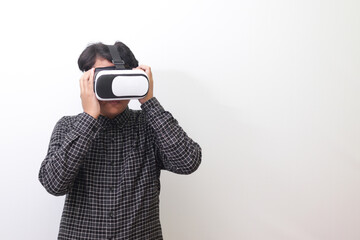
{"points": [[117, 83]]}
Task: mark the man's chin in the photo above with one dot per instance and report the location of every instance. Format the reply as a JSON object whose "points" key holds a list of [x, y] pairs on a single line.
{"points": [[113, 108], [114, 102]]}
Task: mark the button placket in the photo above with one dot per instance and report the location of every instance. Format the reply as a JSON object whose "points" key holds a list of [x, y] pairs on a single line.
{"points": [[108, 141], [110, 163]]}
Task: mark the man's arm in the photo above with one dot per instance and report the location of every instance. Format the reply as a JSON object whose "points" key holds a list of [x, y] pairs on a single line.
{"points": [[177, 152], [68, 146], [70, 142]]}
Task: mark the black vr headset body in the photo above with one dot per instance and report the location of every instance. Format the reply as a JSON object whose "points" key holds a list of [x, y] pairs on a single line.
{"points": [[117, 83]]}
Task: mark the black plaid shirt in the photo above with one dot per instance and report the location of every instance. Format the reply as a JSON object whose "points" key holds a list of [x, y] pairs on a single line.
{"points": [[109, 170]]}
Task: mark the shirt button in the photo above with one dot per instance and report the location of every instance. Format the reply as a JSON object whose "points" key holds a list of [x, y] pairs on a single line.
{"points": [[111, 189], [111, 214]]}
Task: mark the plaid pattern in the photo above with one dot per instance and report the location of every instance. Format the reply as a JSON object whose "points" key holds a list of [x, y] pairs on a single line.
{"points": [[109, 170]]}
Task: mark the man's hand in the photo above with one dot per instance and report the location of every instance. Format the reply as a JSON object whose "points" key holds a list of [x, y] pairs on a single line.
{"points": [[147, 70], [89, 101]]}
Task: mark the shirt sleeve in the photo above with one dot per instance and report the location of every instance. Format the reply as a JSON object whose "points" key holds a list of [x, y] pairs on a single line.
{"points": [[178, 153], [68, 145]]}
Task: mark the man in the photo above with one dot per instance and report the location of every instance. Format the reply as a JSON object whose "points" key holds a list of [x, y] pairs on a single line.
{"points": [[107, 160]]}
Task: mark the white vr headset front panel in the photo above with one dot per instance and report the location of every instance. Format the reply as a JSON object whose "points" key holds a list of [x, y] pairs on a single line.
{"points": [[129, 86], [126, 84]]}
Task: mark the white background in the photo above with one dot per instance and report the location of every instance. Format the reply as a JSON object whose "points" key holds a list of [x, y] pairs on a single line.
{"points": [[269, 89]]}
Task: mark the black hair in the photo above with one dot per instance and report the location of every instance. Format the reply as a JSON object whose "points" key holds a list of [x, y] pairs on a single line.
{"points": [[88, 57]]}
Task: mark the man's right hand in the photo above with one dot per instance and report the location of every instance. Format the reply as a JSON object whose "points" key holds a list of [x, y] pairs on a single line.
{"points": [[89, 101]]}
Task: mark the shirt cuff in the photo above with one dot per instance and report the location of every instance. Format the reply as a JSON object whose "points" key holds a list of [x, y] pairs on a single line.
{"points": [[86, 125]]}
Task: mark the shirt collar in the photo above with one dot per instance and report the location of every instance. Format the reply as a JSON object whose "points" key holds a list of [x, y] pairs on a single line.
{"points": [[117, 121]]}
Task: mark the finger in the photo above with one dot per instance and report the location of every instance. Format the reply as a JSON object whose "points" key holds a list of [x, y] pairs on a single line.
{"points": [[138, 68], [91, 80], [144, 67], [86, 81], [81, 82]]}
